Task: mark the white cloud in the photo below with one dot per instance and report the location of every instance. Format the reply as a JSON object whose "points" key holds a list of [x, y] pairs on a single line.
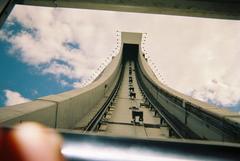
{"points": [[77, 84], [34, 92], [218, 93], [188, 52], [13, 98], [50, 30], [59, 69], [64, 83]]}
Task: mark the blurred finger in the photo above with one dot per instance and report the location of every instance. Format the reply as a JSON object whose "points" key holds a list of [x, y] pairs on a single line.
{"points": [[33, 142]]}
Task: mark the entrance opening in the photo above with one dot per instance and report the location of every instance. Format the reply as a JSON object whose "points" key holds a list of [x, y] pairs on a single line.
{"points": [[130, 52]]}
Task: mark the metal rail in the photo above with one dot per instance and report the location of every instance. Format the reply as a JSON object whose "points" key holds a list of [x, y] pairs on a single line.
{"points": [[227, 128], [98, 117], [92, 148], [79, 147], [179, 128], [168, 121]]}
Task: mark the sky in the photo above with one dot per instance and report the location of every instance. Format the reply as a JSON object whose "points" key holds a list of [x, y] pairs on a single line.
{"points": [[51, 50]]}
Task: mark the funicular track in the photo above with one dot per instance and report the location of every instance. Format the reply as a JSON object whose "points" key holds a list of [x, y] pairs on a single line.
{"points": [[156, 100], [95, 122], [132, 76], [78, 146], [176, 128], [181, 129]]}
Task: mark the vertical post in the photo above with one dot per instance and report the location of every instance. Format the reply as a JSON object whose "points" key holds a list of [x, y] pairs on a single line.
{"points": [[155, 113], [105, 89], [186, 111], [161, 121], [170, 132]]}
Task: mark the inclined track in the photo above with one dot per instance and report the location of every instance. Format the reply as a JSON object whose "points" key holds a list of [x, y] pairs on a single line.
{"points": [[118, 120]]}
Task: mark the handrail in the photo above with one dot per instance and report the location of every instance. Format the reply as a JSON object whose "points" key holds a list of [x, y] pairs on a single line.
{"points": [[91, 147], [177, 127], [226, 128]]}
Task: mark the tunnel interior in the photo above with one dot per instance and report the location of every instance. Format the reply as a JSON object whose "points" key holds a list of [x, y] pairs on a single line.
{"points": [[130, 52]]}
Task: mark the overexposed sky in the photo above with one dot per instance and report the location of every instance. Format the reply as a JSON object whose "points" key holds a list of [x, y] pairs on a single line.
{"points": [[196, 56]]}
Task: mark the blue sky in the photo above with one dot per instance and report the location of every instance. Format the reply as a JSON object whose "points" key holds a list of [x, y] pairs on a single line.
{"points": [[20, 77], [25, 80], [55, 49]]}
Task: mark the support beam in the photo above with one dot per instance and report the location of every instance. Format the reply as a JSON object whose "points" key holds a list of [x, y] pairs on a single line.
{"points": [[223, 9], [226, 9]]}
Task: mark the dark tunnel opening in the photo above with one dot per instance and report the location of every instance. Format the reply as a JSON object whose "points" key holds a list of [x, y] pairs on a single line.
{"points": [[130, 52]]}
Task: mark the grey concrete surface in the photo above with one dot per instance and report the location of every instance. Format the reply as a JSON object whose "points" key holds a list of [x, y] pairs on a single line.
{"points": [[39, 111], [66, 109], [200, 125], [73, 109], [120, 117]]}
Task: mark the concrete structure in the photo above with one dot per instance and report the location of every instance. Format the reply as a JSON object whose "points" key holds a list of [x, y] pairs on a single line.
{"points": [[226, 9], [128, 100], [66, 109]]}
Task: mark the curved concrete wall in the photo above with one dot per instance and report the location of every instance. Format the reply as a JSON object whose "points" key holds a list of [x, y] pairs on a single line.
{"points": [[40, 111], [206, 117], [69, 109], [66, 109]]}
